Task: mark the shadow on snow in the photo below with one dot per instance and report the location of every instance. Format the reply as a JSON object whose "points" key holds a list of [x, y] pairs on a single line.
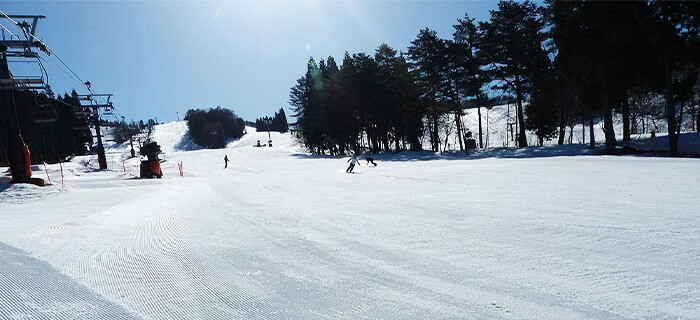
{"points": [[506, 153]]}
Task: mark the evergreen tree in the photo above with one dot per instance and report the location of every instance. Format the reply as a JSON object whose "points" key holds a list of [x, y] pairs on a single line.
{"points": [[594, 40], [511, 43], [676, 39], [280, 121], [541, 110], [427, 54], [213, 127], [306, 104], [397, 117], [466, 71]]}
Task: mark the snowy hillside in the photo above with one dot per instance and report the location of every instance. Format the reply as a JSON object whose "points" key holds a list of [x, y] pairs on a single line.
{"points": [[496, 132], [281, 234]]}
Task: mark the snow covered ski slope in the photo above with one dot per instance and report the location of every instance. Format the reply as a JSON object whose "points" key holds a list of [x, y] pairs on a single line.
{"points": [[280, 234]]}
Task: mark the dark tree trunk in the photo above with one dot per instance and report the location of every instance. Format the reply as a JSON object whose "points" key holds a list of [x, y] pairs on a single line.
{"points": [[458, 119], [397, 146], [436, 134], [481, 141], [562, 133], [670, 109], [680, 121], [610, 143], [522, 140], [592, 133], [626, 118]]}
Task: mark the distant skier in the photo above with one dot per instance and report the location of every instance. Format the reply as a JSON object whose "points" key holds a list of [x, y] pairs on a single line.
{"points": [[370, 160], [353, 161], [225, 161]]}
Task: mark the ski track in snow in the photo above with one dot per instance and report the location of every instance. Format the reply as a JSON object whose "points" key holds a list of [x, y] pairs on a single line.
{"points": [[277, 235]]}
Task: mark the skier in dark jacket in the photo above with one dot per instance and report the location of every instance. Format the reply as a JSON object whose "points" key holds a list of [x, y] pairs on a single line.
{"points": [[225, 161]]}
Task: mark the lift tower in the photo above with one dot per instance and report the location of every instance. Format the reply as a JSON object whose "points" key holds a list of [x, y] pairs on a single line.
{"points": [[17, 151], [95, 107]]}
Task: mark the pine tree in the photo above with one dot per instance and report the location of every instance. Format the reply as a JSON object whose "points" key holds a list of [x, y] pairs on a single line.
{"points": [[675, 36], [466, 71], [280, 121], [597, 43], [511, 43], [427, 54], [306, 103]]}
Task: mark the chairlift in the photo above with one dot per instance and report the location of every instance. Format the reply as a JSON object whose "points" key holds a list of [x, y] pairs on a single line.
{"points": [[84, 114], [81, 128], [43, 112], [29, 82]]}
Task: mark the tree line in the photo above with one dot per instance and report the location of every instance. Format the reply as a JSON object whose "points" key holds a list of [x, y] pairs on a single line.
{"points": [[278, 122], [52, 127], [55, 128], [562, 63], [213, 127]]}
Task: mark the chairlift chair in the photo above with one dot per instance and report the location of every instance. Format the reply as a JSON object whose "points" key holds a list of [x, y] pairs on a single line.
{"points": [[44, 114]]}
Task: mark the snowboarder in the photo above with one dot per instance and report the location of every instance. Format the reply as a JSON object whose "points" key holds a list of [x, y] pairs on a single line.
{"points": [[225, 161], [353, 161], [370, 160]]}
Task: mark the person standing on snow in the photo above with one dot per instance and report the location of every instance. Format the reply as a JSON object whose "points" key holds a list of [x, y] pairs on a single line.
{"points": [[225, 161], [353, 161]]}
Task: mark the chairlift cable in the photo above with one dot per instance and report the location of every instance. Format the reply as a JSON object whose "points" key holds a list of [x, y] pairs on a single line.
{"points": [[19, 129], [8, 30], [68, 76], [58, 68], [27, 31], [47, 48], [74, 76], [71, 70], [43, 69]]}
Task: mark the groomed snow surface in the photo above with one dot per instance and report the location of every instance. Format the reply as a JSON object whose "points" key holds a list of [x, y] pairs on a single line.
{"points": [[280, 234]]}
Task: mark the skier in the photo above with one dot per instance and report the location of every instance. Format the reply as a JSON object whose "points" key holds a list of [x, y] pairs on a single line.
{"points": [[353, 161], [370, 160], [225, 161]]}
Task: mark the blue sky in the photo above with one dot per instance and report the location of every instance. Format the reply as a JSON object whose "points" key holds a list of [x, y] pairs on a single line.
{"points": [[160, 58]]}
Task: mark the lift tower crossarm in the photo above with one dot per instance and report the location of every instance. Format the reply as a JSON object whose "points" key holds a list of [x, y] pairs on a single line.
{"points": [[31, 31], [101, 158]]}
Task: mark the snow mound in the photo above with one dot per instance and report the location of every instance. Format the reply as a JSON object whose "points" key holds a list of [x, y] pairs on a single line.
{"points": [[280, 141], [688, 143], [174, 136]]}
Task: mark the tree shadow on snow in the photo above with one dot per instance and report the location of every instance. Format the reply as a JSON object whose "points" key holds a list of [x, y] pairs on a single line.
{"points": [[187, 143], [317, 156], [500, 153]]}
